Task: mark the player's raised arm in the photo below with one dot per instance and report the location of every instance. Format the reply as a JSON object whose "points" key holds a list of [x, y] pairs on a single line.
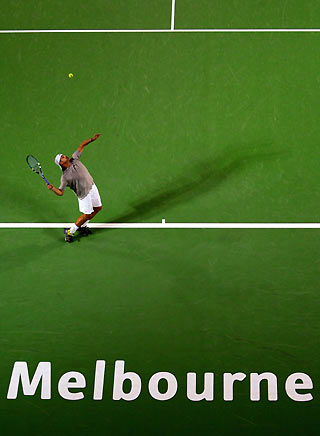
{"points": [[87, 141]]}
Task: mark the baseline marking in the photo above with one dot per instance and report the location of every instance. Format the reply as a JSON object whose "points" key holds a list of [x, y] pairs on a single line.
{"points": [[161, 31], [165, 225]]}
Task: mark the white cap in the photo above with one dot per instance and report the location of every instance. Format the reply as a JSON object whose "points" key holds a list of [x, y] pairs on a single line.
{"points": [[57, 159]]}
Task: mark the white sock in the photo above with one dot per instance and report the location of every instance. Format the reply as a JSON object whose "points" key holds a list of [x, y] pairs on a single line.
{"points": [[73, 229], [85, 223]]}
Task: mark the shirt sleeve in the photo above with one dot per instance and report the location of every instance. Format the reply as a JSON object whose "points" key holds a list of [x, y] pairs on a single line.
{"points": [[76, 155], [63, 184]]}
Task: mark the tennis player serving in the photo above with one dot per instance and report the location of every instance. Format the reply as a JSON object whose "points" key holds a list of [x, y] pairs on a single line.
{"points": [[76, 176]]}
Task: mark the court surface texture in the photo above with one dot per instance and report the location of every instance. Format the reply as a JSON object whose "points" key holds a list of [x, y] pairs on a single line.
{"points": [[197, 127]]}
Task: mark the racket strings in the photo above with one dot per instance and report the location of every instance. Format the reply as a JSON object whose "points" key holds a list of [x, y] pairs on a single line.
{"points": [[34, 164]]}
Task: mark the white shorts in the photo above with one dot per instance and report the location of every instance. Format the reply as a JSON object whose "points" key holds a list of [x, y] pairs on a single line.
{"points": [[91, 200]]}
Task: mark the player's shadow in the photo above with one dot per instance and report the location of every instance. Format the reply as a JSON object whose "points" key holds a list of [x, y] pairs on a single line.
{"points": [[202, 177]]}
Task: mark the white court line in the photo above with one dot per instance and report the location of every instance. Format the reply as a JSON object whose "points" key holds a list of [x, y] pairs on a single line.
{"points": [[173, 13], [161, 31], [164, 225]]}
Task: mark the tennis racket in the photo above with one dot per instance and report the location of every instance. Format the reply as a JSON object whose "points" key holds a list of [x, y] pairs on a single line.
{"points": [[34, 164]]}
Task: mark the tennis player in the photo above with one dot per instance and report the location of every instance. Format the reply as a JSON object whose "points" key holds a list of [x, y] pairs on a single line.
{"points": [[76, 176]]}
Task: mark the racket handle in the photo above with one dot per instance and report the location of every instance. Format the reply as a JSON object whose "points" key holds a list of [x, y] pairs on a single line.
{"points": [[48, 183]]}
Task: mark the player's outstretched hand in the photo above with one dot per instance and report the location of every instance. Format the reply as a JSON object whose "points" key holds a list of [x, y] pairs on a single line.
{"points": [[50, 187], [96, 136]]}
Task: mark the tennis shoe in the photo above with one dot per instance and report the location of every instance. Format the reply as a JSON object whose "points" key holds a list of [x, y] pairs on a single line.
{"points": [[84, 231], [67, 236]]}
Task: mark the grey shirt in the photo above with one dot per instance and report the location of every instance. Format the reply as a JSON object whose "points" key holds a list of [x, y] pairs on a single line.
{"points": [[77, 177]]}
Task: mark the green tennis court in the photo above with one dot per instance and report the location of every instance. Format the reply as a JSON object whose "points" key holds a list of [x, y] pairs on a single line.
{"points": [[197, 127]]}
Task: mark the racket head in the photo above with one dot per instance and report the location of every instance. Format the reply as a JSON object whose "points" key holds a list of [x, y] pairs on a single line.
{"points": [[34, 164]]}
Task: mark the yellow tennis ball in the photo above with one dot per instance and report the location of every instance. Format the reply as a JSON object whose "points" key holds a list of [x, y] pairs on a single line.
{"points": [[70, 75]]}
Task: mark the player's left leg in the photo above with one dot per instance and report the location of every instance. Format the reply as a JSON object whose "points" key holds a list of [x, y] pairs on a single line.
{"points": [[83, 221], [95, 211], [93, 202], [96, 205], [89, 206]]}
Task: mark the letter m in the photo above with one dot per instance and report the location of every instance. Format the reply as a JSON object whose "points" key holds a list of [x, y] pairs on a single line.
{"points": [[20, 372]]}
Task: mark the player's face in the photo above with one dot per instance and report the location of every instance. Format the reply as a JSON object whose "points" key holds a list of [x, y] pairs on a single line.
{"points": [[63, 159]]}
